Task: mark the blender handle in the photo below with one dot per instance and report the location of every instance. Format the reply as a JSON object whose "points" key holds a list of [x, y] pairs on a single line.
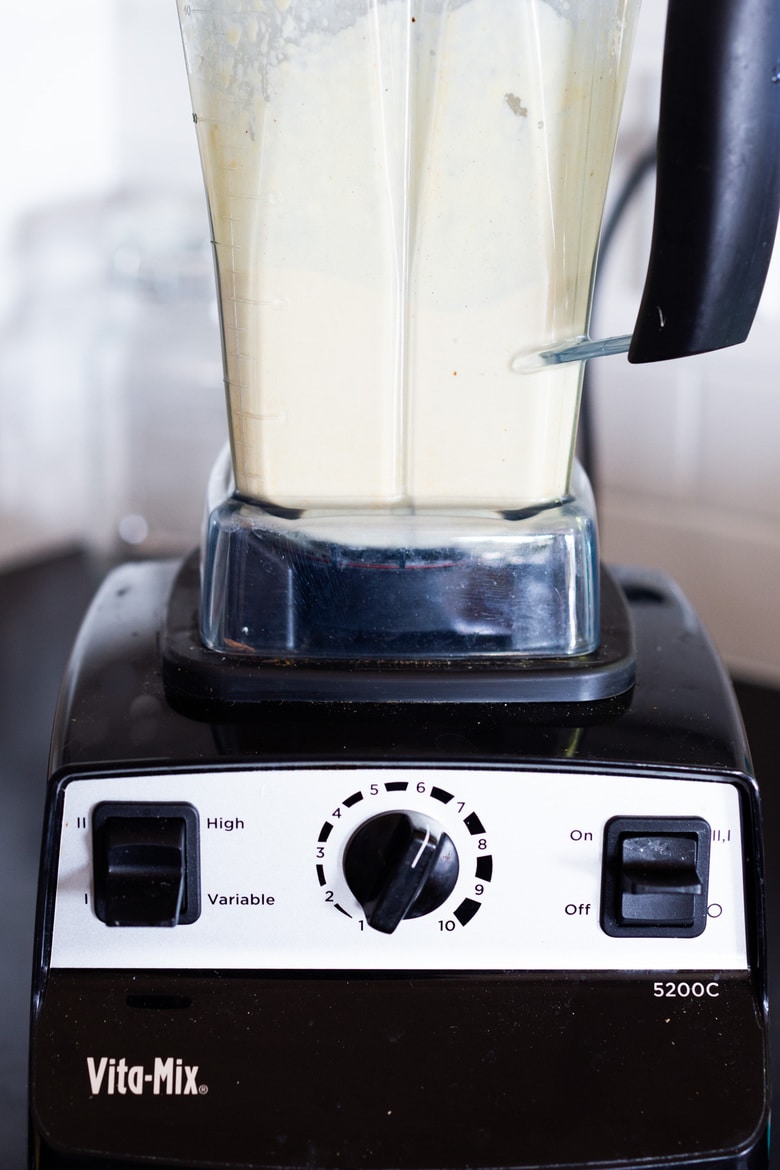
{"points": [[718, 179]]}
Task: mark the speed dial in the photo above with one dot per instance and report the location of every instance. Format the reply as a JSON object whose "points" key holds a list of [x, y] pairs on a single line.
{"points": [[398, 850], [400, 865]]}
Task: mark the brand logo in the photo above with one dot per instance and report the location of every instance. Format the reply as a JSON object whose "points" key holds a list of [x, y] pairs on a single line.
{"points": [[168, 1077]]}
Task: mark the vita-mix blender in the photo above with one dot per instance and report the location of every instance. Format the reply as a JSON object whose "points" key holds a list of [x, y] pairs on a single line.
{"points": [[391, 830]]}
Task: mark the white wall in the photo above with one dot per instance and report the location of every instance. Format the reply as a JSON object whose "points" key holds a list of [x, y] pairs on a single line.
{"points": [[57, 88], [58, 150], [109, 352]]}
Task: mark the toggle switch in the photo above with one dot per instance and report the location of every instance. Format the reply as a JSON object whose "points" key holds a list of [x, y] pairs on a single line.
{"points": [[146, 863], [655, 876]]}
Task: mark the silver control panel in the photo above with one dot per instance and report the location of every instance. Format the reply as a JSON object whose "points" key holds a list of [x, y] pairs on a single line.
{"points": [[296, 868]]}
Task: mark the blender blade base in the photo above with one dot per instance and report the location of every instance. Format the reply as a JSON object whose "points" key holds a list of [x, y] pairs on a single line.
{"points": [[202, 679]]}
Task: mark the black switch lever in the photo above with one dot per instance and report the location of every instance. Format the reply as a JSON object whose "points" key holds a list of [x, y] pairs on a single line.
{"points": [[658, 864], [655, 876], [144, 871], [145, 864]]}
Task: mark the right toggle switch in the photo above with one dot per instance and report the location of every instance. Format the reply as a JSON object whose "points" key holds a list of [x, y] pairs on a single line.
{"points": [[655, 875]]}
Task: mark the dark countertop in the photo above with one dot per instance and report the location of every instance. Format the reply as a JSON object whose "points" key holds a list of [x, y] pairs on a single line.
{"points": [[40, 609]]}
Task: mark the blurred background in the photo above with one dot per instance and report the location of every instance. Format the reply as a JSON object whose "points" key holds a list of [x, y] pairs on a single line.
{"points": [[111, 406], [111, 409]]}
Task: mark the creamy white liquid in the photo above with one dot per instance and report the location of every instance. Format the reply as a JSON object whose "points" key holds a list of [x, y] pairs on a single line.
{"points": [[404, 195]]}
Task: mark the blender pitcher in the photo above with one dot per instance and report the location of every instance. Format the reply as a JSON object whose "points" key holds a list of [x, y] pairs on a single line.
{"points": [[406, 198]]}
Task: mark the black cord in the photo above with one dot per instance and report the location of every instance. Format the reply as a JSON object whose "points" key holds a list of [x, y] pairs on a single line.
{"points": [[586, 443]]}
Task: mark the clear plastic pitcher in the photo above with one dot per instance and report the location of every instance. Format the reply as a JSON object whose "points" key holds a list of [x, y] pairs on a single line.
{"points": [[405, 195]]}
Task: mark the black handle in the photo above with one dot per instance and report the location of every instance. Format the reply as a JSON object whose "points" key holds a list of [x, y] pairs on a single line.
{"points": [[718, 182]]}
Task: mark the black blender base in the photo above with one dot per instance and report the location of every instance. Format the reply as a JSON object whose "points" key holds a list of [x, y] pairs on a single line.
{"points": [[203, 680], [660, 1066], [406, 1073]]}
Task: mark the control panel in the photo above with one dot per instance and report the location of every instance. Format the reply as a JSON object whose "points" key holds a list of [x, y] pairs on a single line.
{"points": [[399, 868]]}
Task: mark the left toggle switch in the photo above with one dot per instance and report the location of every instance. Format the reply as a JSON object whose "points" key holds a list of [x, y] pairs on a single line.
{"points": [[146, 863]]}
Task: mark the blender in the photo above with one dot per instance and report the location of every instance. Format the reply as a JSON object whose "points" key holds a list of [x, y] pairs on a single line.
{"points": [[391, 829]]}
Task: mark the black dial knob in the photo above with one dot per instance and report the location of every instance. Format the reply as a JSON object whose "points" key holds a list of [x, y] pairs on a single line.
{"points": [[400, 865]]}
